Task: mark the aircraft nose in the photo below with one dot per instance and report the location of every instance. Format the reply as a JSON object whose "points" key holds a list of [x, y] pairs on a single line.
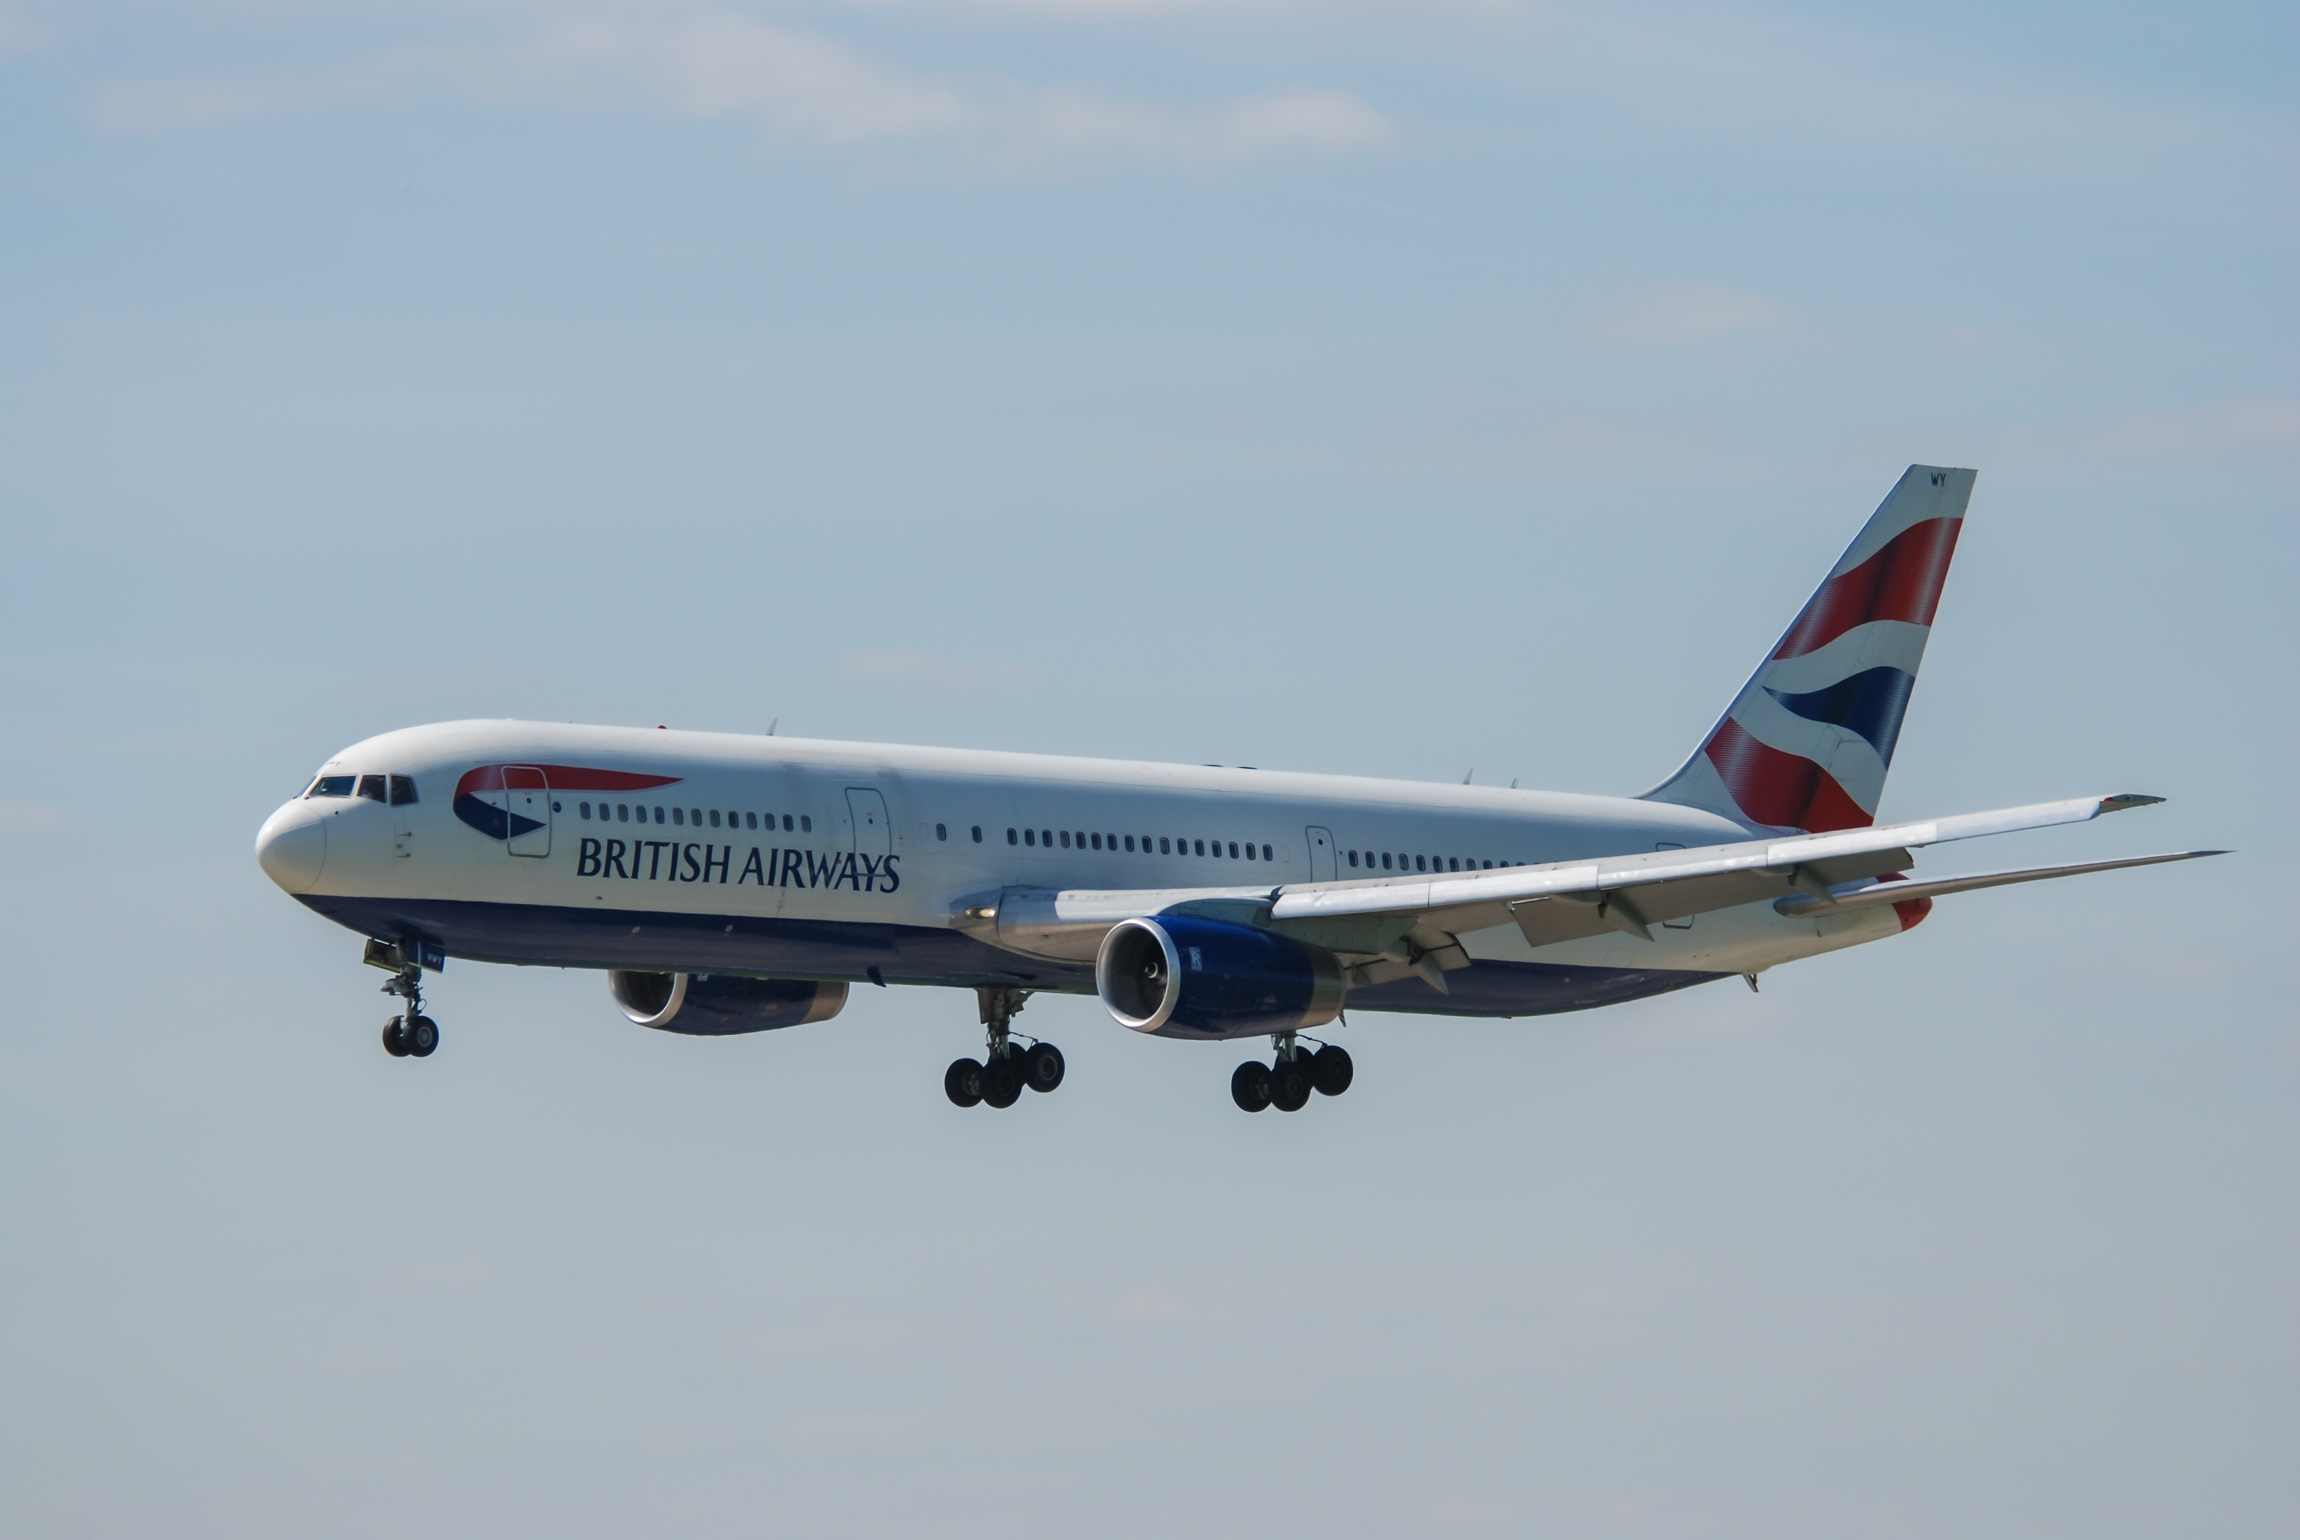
{"points": [[292, 846]]}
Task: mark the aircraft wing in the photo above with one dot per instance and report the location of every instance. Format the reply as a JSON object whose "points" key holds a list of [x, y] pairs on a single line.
{"points": [[1399, 926], [1568, 900]]}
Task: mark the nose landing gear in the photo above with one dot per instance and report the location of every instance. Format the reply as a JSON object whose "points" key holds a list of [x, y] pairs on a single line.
{"points": [[1287, 1082], [405, 1038], [1006, 1067], [412, 1035]]}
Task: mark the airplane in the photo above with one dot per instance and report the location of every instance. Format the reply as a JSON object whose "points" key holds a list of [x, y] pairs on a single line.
{"points": [[737, 883]]}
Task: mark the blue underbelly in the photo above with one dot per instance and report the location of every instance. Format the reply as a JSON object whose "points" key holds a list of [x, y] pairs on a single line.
{"points": [[545, 935]]}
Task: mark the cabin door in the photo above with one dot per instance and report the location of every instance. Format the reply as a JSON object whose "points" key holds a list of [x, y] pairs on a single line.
{"points": [[527, 801], [866, 810], [1322, 868]]}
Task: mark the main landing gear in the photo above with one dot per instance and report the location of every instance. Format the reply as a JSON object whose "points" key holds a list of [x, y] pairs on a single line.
{"points": [[411, 1035], [1286, 1083], [1006, 1067]]}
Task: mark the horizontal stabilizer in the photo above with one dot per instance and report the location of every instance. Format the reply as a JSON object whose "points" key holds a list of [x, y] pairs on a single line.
{"points": [[1863, 896]]}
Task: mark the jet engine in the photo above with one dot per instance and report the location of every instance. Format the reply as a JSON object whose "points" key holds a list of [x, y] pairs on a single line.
{"points": [[720, 1005], [1178, 975]]}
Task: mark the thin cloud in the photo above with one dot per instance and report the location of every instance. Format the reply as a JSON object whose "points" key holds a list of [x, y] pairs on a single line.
{"points": [[30, 818], [2252, 424], [2216, 427], [850, 1430], [20, 34], [928, 669], [799, 88], [1685, 313], [1148, 1310]]}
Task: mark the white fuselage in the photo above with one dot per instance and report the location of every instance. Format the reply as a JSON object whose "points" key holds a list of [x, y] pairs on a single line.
{"points": [[708, 852]]}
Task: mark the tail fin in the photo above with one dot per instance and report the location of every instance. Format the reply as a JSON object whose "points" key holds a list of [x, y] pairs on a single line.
{"points": [[1806, 743]]}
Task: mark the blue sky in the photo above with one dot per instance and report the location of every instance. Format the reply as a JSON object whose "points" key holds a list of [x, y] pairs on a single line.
{"points": [[1395, 389]]}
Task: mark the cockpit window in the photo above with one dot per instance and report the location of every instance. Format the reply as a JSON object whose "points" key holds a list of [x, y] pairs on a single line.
{"points": [[402, 790], [332, 786], [371, 787]]}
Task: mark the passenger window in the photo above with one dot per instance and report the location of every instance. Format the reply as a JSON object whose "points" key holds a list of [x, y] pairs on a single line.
{"points": [[1453, 864], [1095, 840], [1233, 850], [1265, 852], [1010, 836], [622, 811], [331, 786], [978, 834], [1129, 843], [1418, 866], [1163, 848], [1353, 858], [806, 823], [786, 823], [941, 833], [714, 818], [1046, 837], [1249, 850], [1201, 847], [750, 820], [678, 815], [1385, 860], [1066, 839], [402, 790], [1029, 836], [585, 809]]}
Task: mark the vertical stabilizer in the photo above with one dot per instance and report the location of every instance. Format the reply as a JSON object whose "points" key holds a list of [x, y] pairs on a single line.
{"points": [[1807, 742]]}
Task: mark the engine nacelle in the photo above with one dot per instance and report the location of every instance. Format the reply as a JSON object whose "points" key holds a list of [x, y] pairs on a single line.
{"points": [[720, 1004], [1179, 976]]}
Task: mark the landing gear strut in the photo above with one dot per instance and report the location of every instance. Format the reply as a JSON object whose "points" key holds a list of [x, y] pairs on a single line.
{"points": [[413, 1034], [1286, 1083], [1006, 1067]]}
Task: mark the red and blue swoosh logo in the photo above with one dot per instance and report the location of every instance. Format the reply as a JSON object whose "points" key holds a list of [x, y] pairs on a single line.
{"points": [[495, 818]]}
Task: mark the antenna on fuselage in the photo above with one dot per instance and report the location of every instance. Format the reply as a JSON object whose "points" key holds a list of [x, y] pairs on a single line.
{"points": [[1465, 778], [771, 726]]}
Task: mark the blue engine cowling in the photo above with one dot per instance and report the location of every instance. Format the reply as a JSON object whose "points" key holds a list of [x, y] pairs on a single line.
{"points": [[1180, 976], [720, 1005]]}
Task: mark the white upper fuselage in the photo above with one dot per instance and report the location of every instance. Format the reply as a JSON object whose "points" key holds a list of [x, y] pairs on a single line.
{"points": [[424, 850], [721, 853]]}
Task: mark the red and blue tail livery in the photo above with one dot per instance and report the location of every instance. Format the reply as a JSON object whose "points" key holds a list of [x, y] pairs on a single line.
{"points": [[503, 801], [1805, 746]]}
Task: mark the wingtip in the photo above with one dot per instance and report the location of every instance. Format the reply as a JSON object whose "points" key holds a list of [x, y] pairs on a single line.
{"points": [[2123, 800]]}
